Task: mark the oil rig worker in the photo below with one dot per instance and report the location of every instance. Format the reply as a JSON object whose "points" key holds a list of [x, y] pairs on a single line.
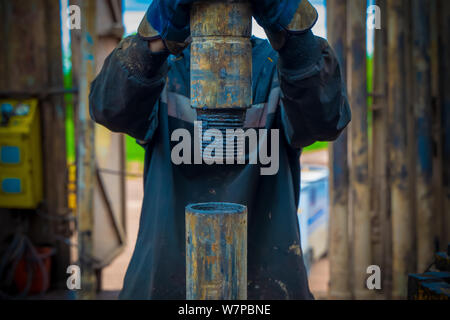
{"points": [[143, 90]]}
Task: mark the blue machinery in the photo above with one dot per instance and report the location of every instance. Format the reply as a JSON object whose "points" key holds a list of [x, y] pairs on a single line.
{"points": [[21, 173]]}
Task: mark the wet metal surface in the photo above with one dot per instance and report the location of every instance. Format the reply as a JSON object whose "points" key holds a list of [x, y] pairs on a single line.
{"points": [[86, 155]]}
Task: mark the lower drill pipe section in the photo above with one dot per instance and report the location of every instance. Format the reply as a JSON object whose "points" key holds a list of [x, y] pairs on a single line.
{"points": [[216, 251]]}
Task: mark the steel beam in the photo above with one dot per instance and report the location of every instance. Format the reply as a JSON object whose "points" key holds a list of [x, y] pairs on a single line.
{"points": [[401, 212], [86, 153], [424, 136], [380, 201], [359, 176], [339, 287]]}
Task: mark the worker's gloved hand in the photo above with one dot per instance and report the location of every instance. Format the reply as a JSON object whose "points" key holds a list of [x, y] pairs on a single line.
{"points": [[280, 18], [168, 20]]}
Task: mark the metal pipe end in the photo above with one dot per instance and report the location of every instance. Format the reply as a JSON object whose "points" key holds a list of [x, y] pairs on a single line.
{"points": [[216, 208]]}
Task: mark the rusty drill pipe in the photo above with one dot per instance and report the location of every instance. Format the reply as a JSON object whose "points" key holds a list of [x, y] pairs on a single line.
{"points": [[216, 251], [221, 63]]}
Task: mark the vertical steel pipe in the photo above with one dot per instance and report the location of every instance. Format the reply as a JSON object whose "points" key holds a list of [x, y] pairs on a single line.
{"points": [[221, 55], [359, 177], [86, 153], [221, 91], [380, 202], [402, 218], [339, 287], [424, 136], [216, 251], [221, 63]]}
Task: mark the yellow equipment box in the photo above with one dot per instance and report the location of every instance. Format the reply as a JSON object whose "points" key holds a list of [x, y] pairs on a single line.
{"points": [[21, 173]]}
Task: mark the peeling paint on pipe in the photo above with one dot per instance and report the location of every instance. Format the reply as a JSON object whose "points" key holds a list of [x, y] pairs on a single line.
{"points": [[216, 251], [221, 62], [221, 55]]}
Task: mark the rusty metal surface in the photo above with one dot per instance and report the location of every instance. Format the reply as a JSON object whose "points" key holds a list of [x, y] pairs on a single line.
{"points": [[381, 219], [438, 163], [359, 176], [402, 218], [339, 287], [221, 55], [86, 153], [424, 137], [54, 132], [216, 252]]}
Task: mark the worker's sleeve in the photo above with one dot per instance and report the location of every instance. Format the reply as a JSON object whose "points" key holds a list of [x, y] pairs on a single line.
{"points": [[124, 96], [314, 104]]}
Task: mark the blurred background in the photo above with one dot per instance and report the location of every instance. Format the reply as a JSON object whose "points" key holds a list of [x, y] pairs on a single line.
{"points": [[378, 196]]}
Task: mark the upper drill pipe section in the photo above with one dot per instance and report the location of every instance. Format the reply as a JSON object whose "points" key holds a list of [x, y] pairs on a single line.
{"points": [[221, 55]]}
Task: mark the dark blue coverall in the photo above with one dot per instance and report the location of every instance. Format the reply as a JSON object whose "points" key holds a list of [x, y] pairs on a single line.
{"points": [[146, 95]]}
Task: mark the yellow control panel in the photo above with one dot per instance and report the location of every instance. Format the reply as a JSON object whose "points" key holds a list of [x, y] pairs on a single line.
{"points": [[21, 171]]}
